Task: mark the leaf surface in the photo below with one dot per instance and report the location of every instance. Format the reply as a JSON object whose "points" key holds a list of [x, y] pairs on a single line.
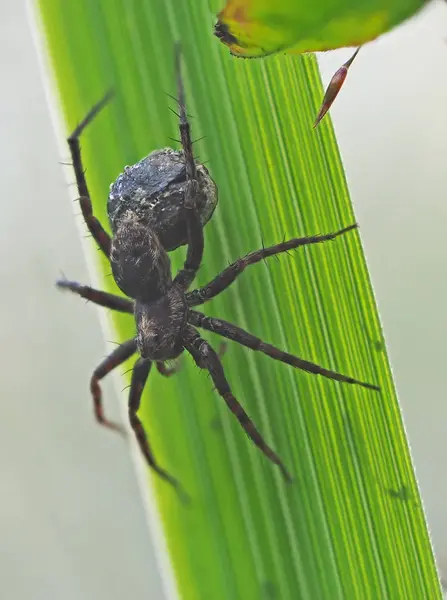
{"points": [[352, 525]]}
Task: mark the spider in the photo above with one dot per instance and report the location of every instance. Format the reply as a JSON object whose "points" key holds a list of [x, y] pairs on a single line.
{"points": [[166, 324]]}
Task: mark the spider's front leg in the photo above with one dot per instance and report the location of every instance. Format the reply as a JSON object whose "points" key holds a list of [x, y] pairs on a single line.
{"points": [[206, 358], [98, 232], [116, 358], [185, 276]]}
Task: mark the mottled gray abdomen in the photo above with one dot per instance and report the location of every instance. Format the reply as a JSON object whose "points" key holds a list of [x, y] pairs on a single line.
{"points": [[153, 189]]}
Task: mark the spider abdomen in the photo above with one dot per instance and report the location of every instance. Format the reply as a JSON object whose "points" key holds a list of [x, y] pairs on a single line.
{"points": [[154, 190]]}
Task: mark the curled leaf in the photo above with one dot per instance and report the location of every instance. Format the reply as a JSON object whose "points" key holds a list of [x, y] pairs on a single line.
{"points": [[257, 28]]}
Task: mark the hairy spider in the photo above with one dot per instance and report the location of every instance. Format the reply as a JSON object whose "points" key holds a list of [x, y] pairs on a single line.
{"points": [[166, 323]]}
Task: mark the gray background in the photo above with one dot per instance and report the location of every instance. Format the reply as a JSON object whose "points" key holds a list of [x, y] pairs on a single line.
{"points": [[71, 523]]}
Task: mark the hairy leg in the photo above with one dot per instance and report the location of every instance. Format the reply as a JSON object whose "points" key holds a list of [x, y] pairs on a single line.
{"points": [[194, 255], [140, 374], [206, 358], [116, 358], [228, 275], [101, 237], [239, 335], [97, 296]]}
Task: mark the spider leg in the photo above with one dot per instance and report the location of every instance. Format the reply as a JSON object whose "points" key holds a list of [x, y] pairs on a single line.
{"points": [[97, 296], [228, 275], [99, 234], [185, 276], [184, 127], [116, 358], [140, 374], [239, 335], [206, 358]]}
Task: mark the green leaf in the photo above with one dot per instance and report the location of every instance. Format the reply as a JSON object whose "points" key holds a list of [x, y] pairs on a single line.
{"points": [[352, 524], [255, 28]]}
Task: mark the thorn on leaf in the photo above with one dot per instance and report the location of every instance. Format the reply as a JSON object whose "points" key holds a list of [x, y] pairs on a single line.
{"points": [[334, 87]]}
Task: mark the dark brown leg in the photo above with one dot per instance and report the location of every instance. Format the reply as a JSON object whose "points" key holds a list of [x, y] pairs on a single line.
{"points": [[97, 296], [232, 332], [101, 237], [194, 255], [140, 374], [116, 358], [228, 275], [206, 358]]}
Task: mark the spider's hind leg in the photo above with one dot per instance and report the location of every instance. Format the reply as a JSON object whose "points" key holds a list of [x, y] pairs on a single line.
{"points": [[239, 335], [99, 234], [206, 358], [99, 297], [140, 374]]}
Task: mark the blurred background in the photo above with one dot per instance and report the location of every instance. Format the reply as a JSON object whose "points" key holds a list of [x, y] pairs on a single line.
{"points": [[72, 522]]}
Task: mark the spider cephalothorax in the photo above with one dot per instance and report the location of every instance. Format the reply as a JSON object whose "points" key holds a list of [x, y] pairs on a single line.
{"points": [[162, 305]]}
